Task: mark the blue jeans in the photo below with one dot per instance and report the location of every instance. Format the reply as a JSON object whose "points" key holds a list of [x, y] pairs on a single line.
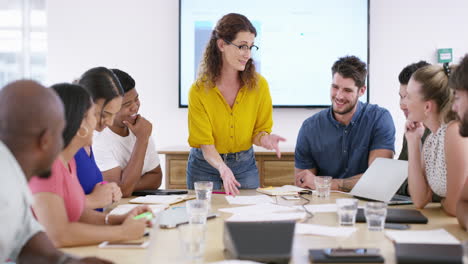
{"points": [[242, 165]]}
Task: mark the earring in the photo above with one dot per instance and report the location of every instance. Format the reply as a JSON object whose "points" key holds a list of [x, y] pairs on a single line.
{"points": [[86, 133]]}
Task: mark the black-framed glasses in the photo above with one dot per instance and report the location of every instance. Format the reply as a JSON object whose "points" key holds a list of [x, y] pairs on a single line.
{"points": [[243, 48]]}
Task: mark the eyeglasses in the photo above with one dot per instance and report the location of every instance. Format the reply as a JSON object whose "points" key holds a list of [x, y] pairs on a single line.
{"points": [[243, 48]]}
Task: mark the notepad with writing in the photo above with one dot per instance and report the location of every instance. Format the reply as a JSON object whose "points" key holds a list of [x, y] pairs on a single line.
{"points": [[283, 190], [161, 199]]}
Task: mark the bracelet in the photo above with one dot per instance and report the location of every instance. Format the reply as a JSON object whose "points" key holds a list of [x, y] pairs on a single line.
{"points": [[106, 219], [262, 135]]}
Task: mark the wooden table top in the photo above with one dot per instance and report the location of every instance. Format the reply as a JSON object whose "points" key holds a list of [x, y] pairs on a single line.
{"points": [[165, 245]]}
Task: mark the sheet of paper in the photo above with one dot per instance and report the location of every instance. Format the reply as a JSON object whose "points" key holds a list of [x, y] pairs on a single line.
{"points": [[320, 208], [125, 208], [321, 230], [293, 188], [159, 199], [253, 199], [435, 236], [256, 217], [259, 208]]}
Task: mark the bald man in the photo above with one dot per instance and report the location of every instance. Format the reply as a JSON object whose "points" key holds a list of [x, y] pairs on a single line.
{"points": [[31, 126]]}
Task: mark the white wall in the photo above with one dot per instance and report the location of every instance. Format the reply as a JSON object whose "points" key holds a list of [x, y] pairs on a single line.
{"points": [[141, 37]]}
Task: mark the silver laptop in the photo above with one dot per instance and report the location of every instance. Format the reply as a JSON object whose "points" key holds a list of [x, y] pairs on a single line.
{"points": [[382, 180]]}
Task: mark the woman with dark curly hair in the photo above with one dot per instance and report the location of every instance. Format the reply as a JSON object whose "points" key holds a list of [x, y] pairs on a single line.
{"points": [[229, 109]]}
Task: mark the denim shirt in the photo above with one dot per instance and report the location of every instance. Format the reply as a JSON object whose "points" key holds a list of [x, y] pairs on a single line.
{"points": [[343, 151]]}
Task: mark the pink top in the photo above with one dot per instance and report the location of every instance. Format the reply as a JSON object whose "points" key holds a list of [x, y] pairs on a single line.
{"points": [[63, 182]]}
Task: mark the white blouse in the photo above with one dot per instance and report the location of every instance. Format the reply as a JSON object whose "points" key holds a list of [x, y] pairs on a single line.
{"points": [[434, 160]]}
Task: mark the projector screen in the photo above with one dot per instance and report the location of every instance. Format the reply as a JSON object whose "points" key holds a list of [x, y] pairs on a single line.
{"points": [[298, 40]]}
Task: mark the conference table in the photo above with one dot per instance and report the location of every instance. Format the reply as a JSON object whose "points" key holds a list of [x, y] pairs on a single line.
{"points": [[165, 244]]}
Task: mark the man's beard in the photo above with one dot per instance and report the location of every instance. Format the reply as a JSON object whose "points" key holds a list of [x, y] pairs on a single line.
{"points": [[346, 110], [464, 125], [45, 174]]}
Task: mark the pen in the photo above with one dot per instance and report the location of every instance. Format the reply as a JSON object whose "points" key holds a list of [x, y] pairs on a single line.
{"points": [[219, 192], [103, 182]]}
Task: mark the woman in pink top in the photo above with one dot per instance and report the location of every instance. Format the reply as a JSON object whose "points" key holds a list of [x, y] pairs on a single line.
{"points": [[60, 200], [64, 183]]}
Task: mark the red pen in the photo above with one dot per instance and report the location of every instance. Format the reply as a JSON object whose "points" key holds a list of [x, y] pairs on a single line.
{"points": [[219, 192], [103, 182]]}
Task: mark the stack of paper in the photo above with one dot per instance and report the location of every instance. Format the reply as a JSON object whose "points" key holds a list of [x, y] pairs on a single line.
{"points": [[160, 199], [263, 212], [258, 208], [255, 199], [321, 230], [283, 190], [125, 208], [436, 236]]}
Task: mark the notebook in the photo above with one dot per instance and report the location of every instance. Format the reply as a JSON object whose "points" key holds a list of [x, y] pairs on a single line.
{"points": [[161, 199], [381, 181], [428, 254], [403, 216], [283, 190], [319, 256]]}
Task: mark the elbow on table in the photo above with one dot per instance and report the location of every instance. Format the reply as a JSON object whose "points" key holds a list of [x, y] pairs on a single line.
{"points": [[419, 204], [127, 192], [61, 239], [451, 210]]}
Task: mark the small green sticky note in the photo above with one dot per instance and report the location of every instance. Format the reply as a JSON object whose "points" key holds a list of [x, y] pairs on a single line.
{"points": [[147, 215], [444, 55]]}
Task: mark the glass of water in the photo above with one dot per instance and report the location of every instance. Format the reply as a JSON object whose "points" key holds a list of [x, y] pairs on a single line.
{"points": [[203, 190], [322, 186], [192, 242], [347, 209], [197, 211], [192, 236], [375, 213]]}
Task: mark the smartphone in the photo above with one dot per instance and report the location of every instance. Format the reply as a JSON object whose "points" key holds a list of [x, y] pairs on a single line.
{"points": [[290, 197], [137, 244], [158, 192], [351, 252], [396, 226]]}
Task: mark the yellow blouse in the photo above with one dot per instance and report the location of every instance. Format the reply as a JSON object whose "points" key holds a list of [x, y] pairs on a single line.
{"points": [[212, 121]]}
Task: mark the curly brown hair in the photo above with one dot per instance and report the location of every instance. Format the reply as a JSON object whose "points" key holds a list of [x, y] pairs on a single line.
{"points": [[210, 68]]}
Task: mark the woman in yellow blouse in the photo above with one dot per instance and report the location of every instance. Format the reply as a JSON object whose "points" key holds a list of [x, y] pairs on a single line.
{"points": [[229, 110]]}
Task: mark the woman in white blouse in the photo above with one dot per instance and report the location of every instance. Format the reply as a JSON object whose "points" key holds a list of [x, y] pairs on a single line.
{"points": [[441, 165]]}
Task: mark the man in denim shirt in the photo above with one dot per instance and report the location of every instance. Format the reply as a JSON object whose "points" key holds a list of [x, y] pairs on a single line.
{"points": [[343, 140]]}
